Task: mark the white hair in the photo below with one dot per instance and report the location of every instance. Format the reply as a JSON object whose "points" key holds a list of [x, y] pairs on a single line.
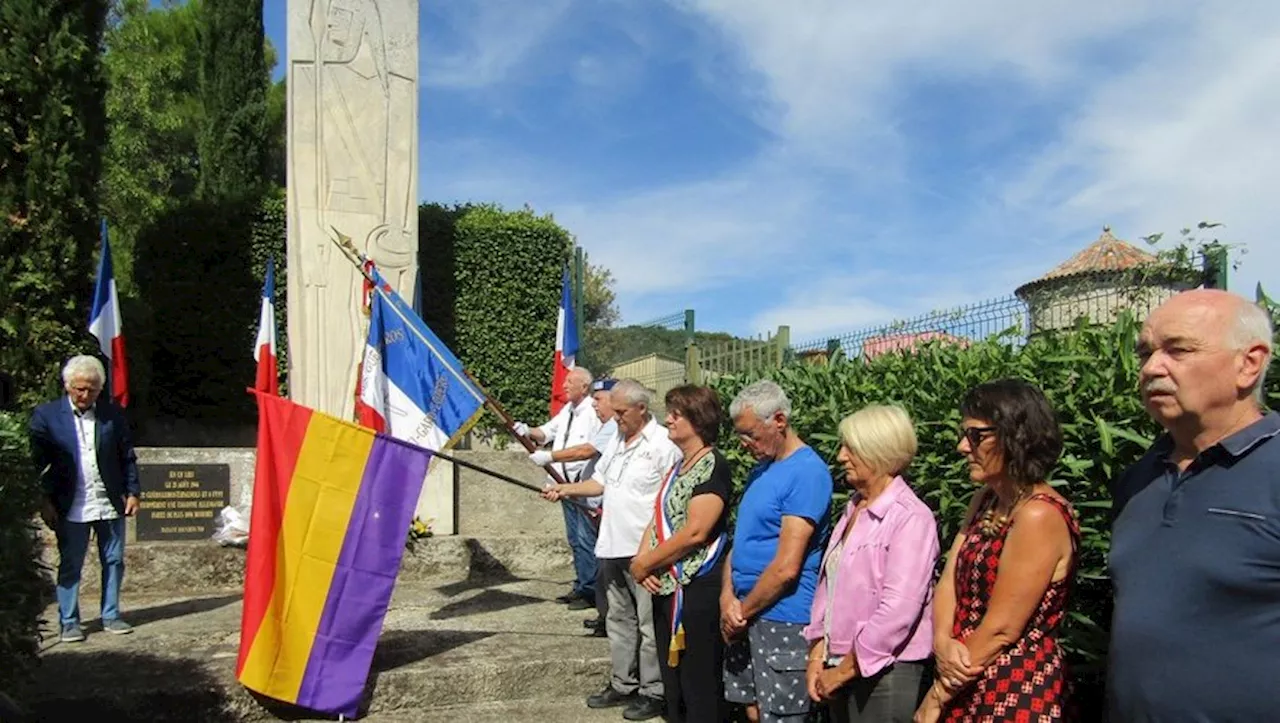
{"points": [[634, 392], [765, 398], [584, 373], [1250, 325], [83, 367]]}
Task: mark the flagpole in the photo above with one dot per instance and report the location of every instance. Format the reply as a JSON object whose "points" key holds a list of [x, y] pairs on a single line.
{"points": [[358, 260]]}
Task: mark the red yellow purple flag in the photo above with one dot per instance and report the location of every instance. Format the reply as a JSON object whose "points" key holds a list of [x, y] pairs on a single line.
{"points": [[331, 505]]}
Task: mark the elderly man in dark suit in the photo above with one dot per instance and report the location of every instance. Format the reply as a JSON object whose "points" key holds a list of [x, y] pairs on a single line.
{"points": [[89, 476]]}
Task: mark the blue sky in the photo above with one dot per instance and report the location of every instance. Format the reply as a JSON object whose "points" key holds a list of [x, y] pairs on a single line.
{"points": [[834, 164]]}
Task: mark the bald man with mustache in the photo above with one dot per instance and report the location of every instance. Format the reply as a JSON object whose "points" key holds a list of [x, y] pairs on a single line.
{"points": [[1195, 550]]}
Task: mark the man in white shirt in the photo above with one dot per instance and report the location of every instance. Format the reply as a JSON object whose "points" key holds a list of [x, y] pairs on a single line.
{"points": [[89, 477], [629, 478], [570, 433]]}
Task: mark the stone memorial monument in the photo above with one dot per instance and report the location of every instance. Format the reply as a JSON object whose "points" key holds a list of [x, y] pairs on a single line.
{"points": [[353, 144], [353, 169]]}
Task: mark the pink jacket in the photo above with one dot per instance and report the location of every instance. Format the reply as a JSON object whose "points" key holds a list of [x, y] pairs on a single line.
{"points": [[882, 610]]}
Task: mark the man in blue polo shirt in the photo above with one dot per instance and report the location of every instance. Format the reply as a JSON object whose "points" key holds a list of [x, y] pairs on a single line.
{"points": [[1195, 551], [772, 568]]}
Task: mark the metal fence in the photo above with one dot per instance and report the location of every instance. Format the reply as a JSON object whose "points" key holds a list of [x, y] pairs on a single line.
{"points": [[738, 356], [1006, 315], [664, 365], [1044, 306]]}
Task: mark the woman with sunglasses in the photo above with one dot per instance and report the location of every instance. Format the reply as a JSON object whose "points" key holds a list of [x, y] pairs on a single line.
{"points": [[999, 605]]}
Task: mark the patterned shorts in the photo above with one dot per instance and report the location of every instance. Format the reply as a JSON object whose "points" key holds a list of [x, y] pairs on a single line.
{"points": [[767, 667]]}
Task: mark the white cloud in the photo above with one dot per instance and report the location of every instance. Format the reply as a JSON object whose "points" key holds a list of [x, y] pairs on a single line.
{"points": [[695, 235], [831, 66], [1188, 136], [837, 302], [489, 39], [1167, 118]]}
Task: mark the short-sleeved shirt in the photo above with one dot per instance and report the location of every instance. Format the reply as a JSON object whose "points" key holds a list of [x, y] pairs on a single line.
{"points": [[798, 486], [631, 477], [605, 446], [1195, 563], [573, 425], [707, 476]]}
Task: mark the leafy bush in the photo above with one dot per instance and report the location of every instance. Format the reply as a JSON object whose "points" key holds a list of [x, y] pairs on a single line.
{"points": [[196, 270], [508, 267], [1090, 374], [268, 242], [22, 596]]}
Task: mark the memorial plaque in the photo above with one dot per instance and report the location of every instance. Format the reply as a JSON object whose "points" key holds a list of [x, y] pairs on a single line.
{"points": [[181, 501]]}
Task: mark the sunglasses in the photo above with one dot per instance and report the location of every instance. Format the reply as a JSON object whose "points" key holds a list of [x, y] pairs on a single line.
{"points": [[975, 435]]}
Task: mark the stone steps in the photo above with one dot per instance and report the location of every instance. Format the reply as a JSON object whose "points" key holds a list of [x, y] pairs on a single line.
{"points": [[473, 649], [544, 711], [205, 566]]}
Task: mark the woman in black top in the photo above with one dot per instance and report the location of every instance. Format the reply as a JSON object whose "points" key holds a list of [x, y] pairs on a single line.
{"points": [[680, 557]]}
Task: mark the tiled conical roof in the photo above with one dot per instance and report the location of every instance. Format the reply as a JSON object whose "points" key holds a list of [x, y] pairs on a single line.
{"points": [[1108, 253]]}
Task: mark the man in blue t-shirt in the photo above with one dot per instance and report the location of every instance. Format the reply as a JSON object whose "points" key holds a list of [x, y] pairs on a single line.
{"points": [[772, 568]]}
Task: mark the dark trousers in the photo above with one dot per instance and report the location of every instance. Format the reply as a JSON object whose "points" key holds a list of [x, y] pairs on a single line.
{"points": [[890, 696], [695, 687], [581, 532]]}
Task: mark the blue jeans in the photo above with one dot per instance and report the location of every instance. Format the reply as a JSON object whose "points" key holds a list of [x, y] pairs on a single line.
{"points": [[581, 533], [73, 543]]}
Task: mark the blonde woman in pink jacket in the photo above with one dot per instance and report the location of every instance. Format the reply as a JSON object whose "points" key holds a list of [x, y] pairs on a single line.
{"points": [[871, 626]]}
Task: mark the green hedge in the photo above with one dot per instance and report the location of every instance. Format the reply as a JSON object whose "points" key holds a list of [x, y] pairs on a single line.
{"points": [[507, 271], [194, 271], [267, 241], [22, 596], [1090, 374]]}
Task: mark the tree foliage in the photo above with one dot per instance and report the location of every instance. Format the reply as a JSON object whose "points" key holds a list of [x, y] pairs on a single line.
{"points": [[233, 141], [277, 123], [599, 314], [51, 138], [1090, 375], [154, 113], [23, 594]]}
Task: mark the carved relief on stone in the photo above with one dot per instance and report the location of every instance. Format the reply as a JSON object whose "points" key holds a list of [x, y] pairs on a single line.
{"points": [[352, 167]]}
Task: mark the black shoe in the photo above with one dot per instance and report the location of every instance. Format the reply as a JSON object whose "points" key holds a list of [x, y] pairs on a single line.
{"points": [[609, 698], [581, 603], [643, 708], [596, 622], [567, 598], [598, 632]]}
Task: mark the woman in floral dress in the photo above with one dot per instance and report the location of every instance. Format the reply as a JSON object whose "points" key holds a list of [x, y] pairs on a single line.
{"points": [[999, 605], [681, 559]]}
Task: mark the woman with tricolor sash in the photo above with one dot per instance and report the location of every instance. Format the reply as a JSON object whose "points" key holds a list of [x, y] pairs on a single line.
{"points": [[680, 559]]}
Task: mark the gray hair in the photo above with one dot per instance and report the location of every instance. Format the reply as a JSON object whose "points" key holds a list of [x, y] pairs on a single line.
{"points": [[583, 372], [1250, 325], [83, 367], [765, 398], [634, 392]]}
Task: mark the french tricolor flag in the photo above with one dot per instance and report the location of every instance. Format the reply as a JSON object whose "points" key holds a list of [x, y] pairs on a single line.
{"points": [[264, 349], [411, 386], [566, 346], [104, 323]]}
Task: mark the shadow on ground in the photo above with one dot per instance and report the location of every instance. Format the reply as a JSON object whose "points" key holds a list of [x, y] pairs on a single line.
{"points": [[489, 601], [156, 613], [398, 648], [124, 687]]}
